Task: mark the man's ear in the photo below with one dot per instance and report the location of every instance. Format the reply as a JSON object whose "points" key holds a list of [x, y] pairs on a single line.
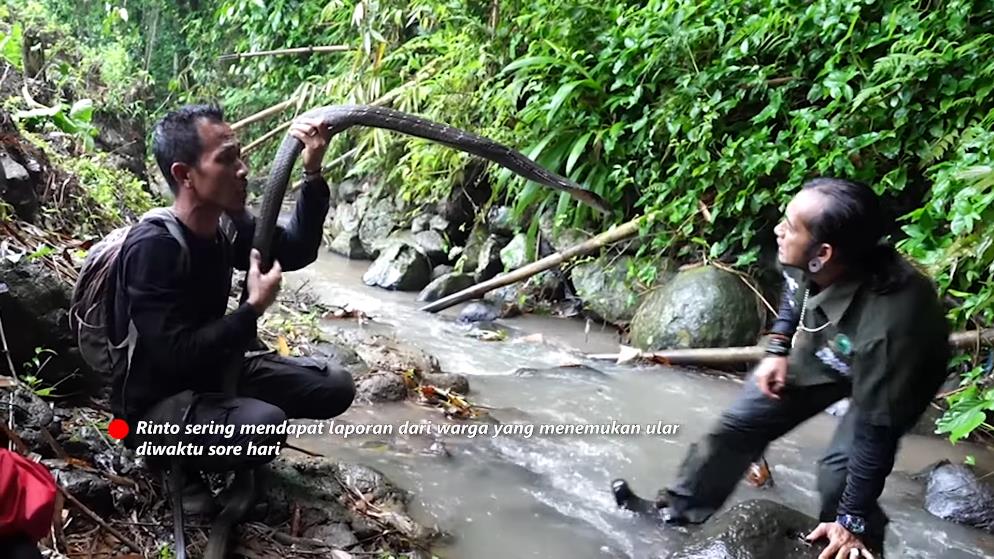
{"points": [[825, 253], [181, 174]]}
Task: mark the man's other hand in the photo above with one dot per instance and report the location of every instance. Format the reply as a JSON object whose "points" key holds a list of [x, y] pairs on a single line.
{"points": [[314, 134], [771, 376], [842, 544], [262, 288]]}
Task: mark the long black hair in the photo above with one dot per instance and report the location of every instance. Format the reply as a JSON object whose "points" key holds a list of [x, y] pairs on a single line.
{"points": [[853, 223]]}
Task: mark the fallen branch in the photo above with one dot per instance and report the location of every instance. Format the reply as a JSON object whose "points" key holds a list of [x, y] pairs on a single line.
{"points": [[616, 234], [282, 52], [100, 521]]}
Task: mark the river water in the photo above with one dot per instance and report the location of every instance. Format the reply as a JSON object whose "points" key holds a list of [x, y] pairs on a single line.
{"points": [[547, 495]]}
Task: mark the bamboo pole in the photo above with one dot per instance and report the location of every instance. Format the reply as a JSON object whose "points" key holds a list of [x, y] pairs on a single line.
{"points": [[383, 100], [281, 52], [616, 234], [264, 114], [719, 357]]}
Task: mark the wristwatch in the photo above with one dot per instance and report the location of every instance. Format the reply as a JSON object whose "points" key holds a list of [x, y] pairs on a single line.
{"points": [[855, 524], [311, 175]]}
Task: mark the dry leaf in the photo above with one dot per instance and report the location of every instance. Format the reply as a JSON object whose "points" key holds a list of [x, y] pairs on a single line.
{"points": [[281, 347]]}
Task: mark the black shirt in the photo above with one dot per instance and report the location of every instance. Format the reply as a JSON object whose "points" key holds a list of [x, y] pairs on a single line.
{"points": [[184, 336]]}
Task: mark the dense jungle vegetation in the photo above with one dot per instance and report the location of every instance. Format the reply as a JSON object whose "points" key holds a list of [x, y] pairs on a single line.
{"points": [[713, 112]]}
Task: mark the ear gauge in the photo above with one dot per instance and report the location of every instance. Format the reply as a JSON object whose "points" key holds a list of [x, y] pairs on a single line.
{"points": [[814, 265]]}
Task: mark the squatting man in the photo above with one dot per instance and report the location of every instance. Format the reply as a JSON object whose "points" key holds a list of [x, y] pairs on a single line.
{"points": [[185, 341], [855, 320]]}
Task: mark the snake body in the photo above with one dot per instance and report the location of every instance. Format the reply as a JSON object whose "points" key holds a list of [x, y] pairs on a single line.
{"points": [[339, 118], [342, 117]]}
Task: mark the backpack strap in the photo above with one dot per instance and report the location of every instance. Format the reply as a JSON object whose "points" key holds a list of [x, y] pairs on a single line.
{"points": [[169, 219]]}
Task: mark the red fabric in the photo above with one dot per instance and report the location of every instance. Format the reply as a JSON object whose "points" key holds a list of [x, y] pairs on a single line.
{"points": [[27, 496]]}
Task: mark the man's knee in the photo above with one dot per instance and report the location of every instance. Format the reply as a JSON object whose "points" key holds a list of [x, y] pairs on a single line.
{"points": [[335, 394], [261, 414]]}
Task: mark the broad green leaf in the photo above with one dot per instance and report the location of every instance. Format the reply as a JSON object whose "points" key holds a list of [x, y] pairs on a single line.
{"points": [[577, 151], [559, 98]]}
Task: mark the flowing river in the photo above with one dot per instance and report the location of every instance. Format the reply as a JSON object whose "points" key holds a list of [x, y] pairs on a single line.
{"points": [[548, 495]]}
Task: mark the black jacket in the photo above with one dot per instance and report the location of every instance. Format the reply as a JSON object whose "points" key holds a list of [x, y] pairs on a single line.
{"points": [[184, 336]]}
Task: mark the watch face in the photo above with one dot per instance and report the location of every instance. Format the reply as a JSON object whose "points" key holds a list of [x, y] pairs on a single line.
{"points": [[854, 524]]}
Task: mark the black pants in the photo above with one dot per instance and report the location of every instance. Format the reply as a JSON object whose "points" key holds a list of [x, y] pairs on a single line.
{"points": [[271, 390], [714, 465], [18, 547]]}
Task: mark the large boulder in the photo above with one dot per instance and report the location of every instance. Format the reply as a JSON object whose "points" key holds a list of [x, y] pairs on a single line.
{"points": [[344, 230], [560, 238], [446, 285], [515, 254], [534, 294], [954, 493], [500, 221], [400, 267], [701, 307], [607, 290], [17, 186], [380, 219], [758, 529], [470, 254], [433, 245], [470, 190], [489, 263], [34, 304]]}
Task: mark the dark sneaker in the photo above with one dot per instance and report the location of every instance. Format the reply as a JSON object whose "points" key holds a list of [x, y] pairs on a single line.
{"points": [[628, 500]]}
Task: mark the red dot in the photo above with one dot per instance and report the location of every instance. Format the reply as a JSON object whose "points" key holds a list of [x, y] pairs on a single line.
{"points": [[118, 429]]}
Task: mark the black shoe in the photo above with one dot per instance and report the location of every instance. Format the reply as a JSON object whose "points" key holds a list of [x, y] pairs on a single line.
{"points": [[628, 500]]}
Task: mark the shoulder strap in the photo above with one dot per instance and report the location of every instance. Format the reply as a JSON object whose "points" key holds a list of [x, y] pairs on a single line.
{"points": [[168, 218]]}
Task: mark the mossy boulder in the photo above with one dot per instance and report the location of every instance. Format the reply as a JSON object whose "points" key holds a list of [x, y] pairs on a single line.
{"points": [[700, 307]]}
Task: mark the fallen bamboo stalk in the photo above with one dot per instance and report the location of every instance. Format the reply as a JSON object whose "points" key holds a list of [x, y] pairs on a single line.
{"points": [[616, 234], [282, 52], [264, 114], [731, 356], [382, 100]]}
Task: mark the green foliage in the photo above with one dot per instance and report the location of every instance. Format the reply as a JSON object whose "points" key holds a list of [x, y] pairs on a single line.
{"points": [[10, 46], [76, 121], [113, 194]]}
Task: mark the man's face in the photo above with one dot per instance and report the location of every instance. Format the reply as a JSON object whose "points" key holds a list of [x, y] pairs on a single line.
{"points": [[794, 240], [220, 177]]}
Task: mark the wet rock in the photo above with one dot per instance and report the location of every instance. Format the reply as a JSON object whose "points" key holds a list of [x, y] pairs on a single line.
{"points": [[448, 381], [488, 263], [348, 245], [515, 254], [433, 245], [701, 307], [954, 493], [383, 353], [478, 312], [347, 191], [341, 355], [500, 221], [347, 218], [400, 267], [420, 223], [606, 289], [536, 293], [91, 489], [439, 223], [560, 238], [17, 188], [37, 301], [124, 140], [380, 219], [565, 371], [470, 256], [758, 529], [461, 206], [446, 285], [381, 387], [31, 415], [310, 484], [337, 535], [440, 270]]}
